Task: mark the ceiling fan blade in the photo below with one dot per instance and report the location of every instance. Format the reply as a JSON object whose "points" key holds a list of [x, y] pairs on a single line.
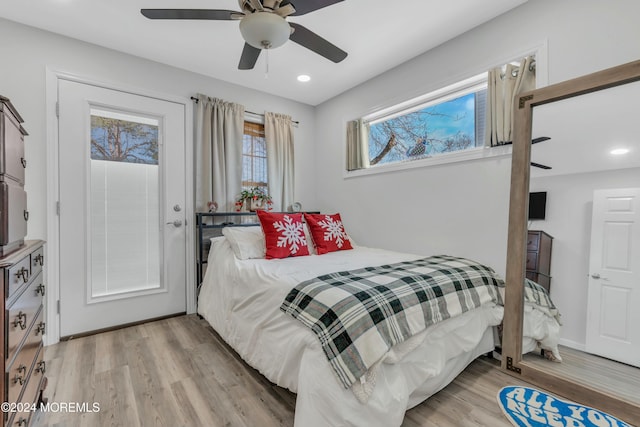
{"points": [[314, 42], [538, 165], [305, 6], [249, 57], [209, 14], [540, 139], [533, 141]]}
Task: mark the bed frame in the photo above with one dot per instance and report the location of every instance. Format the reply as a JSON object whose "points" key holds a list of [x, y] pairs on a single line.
{"points": [[210, 224]]}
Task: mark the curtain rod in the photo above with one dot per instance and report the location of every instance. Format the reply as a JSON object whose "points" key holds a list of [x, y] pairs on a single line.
{"points": [[194, 99]]}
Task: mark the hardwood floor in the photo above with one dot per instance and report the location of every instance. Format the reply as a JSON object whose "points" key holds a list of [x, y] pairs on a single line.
{"points": [[178, 372], [584, 368]]}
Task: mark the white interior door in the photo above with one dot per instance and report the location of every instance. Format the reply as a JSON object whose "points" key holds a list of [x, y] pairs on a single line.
{"points": [[122, 198], [613, 311]]}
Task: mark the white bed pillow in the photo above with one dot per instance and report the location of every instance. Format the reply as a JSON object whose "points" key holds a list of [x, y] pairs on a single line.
{"points": [[249, 243], [246, 242]]}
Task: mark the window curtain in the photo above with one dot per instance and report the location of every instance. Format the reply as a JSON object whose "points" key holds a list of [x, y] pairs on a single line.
{"points": [[357, 145], [218, 152], [504, 85], [278, 130]]}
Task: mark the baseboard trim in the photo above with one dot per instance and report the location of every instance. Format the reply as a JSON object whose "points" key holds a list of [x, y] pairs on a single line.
{"points": [[115, 328], [572, 344]]}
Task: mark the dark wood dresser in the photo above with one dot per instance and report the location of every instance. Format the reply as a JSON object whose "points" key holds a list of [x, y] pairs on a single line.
{"points": [[13, 198], [539, 258], [24, 366]]}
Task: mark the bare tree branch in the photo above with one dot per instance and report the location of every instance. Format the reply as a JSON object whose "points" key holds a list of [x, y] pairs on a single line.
{"points": [[388, 147]]}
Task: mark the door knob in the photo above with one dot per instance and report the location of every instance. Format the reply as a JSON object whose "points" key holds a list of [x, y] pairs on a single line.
{"points": [[177, 223], [595, 276]]}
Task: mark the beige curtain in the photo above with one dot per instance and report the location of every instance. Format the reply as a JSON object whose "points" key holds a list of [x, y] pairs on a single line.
{"points": [[504, 85], [357, 145], [278, 130], [218, 152]]}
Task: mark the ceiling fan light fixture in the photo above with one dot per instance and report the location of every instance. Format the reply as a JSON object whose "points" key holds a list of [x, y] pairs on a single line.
{"points": [[265, 30]]}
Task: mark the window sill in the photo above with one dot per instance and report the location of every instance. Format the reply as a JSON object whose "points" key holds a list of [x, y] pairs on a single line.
{"points": [[440, 159]]}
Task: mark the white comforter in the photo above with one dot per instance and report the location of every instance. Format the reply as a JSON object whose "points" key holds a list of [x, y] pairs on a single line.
{"points": [[241, 300]]}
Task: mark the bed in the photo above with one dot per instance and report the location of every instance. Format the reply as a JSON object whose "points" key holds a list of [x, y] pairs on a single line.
{"points": [[242, 296]]}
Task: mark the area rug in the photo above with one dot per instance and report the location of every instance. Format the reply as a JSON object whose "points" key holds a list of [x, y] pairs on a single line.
{"points": [[528, 407]]}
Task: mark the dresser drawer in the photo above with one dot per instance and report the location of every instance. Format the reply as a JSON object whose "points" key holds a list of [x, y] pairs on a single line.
{"points": [[14, 215], [533, 241], [532, 260], [18, 371], [21, 314], [19, 274], [37, 261], [12, 146], [30, 393]]}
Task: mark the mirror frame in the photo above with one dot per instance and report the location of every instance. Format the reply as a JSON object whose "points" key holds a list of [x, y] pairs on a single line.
{"points": [[512, 362]]}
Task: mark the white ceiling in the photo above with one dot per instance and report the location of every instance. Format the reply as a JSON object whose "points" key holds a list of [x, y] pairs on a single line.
{"points": [[585, 129], [378, 35]]}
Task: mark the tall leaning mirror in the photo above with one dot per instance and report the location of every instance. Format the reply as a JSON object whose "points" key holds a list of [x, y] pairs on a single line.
{"points": [[592, 222]]}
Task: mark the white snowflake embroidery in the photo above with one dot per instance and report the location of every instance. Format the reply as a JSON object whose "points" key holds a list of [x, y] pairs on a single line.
{"points": [[291, 234], [334, 230]]}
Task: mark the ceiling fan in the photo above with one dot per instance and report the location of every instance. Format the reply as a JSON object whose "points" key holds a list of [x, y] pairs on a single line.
{"points": [[535, 141], [263, 25]]}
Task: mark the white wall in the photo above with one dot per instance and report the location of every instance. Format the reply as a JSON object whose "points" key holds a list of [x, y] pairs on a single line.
{"points": [[461, 208], [27, 52], [568, 220]]}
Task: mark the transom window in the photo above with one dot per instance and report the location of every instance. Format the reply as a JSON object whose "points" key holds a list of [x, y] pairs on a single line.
{"points": [[451, 119], [254, 157]]}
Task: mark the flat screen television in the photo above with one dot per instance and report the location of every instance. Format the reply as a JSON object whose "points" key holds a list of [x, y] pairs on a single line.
{"points": [[537, 205]]}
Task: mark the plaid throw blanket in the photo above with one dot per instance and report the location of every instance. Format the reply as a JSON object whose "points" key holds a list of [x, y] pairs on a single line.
{"points": [[359, 315], [538, 296]]}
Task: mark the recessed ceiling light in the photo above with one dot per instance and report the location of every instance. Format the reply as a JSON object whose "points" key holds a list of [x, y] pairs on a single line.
{"points": [[303, 78], [619, 151]]}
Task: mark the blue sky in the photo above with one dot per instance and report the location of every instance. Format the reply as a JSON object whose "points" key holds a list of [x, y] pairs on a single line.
{"points": [[462, 108]]}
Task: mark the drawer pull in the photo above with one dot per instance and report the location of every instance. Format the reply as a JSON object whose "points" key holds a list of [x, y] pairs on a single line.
{"points": [[24, 162], [26, 215], [21, 422], [39, 259], [42, 367], [19, 378], [40, 289], [41, 328], [24, 274], [20, 320]]}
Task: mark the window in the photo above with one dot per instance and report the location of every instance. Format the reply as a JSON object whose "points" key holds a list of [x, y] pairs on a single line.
{"points": [[124, 208], [254, 157], [451, 119]]}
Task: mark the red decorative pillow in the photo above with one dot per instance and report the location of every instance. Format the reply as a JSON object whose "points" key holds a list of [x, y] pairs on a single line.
{"points": [[327, 233], [283, 234]]}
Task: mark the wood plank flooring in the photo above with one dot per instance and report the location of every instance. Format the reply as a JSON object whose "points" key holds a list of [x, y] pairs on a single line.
{"points": [[608, 375], [179, 372]]}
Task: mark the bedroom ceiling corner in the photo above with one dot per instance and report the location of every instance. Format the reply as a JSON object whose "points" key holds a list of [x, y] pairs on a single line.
{"points": [[363, 29]]}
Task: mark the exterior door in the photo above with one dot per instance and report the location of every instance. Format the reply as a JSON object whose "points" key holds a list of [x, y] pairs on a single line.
{"points": [[613, 311], [122, 198]]}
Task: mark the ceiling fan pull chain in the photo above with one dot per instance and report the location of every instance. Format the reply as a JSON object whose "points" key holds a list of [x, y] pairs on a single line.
{"points": [[266, 64]]}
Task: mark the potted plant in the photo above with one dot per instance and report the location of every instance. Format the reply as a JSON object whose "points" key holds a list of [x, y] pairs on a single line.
{"points": [[254, 199]]}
